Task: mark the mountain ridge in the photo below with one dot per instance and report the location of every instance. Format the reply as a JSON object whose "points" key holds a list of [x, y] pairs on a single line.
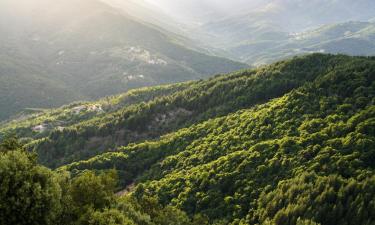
{"points": [[237, 167], [99, 51], [287, 143]]}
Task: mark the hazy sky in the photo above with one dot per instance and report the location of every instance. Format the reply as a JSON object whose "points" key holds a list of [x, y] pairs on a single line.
{"points": [[203, 9], [215, 4]]}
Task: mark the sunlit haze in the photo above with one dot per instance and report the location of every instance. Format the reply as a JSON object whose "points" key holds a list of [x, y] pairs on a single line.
{"points": [[189, 112], [203, 10]]}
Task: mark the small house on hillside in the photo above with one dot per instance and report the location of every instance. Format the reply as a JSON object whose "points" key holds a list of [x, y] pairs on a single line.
{"points": [[40, 128], [79, 109]]}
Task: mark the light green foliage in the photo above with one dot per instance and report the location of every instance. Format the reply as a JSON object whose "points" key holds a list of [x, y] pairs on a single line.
{"points": [[290, 143], [109, 217], [79, 112], [222, 167], [198, 102], [9, 144], [329, 200]]}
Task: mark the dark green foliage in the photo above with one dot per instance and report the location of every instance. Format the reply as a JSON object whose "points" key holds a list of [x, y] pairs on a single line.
{"points": [[298, 154], [199, 101], [232, 168], [32, 194], [29, 193], [78, 112], [91, 191]]}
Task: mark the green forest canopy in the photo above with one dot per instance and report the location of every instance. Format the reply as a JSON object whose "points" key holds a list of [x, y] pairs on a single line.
{"points": [[250, 150]]}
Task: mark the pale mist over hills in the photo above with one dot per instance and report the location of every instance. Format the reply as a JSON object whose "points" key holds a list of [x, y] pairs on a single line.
{"points": [[315, 12], [187, 112], [55, 52], [88, 49], [259, 32], [199, 12]]}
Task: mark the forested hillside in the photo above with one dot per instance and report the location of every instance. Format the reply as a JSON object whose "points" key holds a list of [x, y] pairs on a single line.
{"points": [[34, 195], [56, 52], [63, 141], [305, 156], [289, 143]]}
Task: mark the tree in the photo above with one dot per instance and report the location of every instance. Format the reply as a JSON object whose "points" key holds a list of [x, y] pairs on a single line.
{"points": [[109, 217], [29, 193], [10, 144], [91, 192]]}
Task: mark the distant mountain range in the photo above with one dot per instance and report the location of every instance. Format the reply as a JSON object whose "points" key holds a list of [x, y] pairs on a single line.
{"points": [[277, 29], [353, 38], [287, 143], [55, 52], [259, 32]]}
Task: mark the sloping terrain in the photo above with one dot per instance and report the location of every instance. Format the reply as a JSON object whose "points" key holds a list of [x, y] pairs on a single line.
{"points": [[288, 143], [352, 38], [288, 16], [200, 100], [278, 29], [23, 85], [306, 156], [90, 50]]}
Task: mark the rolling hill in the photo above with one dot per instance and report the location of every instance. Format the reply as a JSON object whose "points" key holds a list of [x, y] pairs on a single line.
{"points": [[289, 16], [268, 32], [305, 157], [352, 38], [68, 140], [88, 50], [287, 143], [120, 112]]}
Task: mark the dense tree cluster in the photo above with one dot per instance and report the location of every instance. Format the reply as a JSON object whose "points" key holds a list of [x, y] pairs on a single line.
{"points": [[238, 168], [78, 112], [251, 150], [29, 193], [173, 108], [327, 199], [32, 194]]}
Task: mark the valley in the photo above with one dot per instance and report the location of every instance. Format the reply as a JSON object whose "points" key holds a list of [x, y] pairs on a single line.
{"points": [[299, 120], [189, 112], [86, 56]]}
